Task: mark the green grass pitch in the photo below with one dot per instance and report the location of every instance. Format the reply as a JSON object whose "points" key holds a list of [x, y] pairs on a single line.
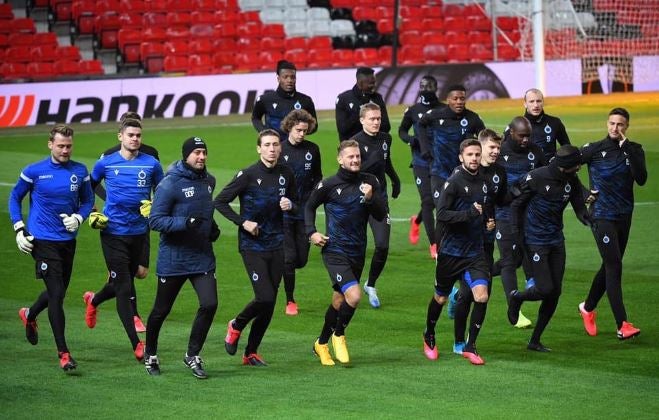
{"points": [[584, 377]]}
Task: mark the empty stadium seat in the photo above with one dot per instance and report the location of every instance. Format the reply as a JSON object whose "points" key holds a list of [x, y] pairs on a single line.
{"points": [[91, 67], [67, 67], [292, 43], [250, 4], [199, 64], [272, 16], [177, 47], [366, 56], [175, 63], [319, 28], [41, 71], [42, 53], [152, 55]]}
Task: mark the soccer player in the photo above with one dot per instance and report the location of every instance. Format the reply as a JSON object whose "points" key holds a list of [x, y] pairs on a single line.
{"points": [[143, 267], [61, 198], [303, 157], [182, 212], [274, 106], [441, 130], [348, 105], [537, 213], [614, 165], [496, 176], [546, 130], [350, 199], [463, 204], [266, 191], [421, 166], [518, 156], [375, 151], [129, 177]]}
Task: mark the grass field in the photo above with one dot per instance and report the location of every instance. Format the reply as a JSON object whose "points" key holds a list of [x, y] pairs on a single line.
{"points": [[584, 377]]}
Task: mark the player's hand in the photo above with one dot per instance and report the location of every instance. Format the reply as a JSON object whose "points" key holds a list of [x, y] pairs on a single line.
{"points": [[97, 220], [367, 190], [478, 208], [145, 208], [23, 238], [193, 223], [395, 189], [592, 197], [215, 231], [71, 223], [285, 204], [318, 239], [251, 227], [490, 225]]}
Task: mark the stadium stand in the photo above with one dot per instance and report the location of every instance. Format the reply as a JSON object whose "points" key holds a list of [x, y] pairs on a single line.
{"points": [[222, 36]]}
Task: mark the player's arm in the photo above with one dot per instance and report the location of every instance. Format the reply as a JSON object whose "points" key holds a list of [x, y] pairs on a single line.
{"points": [[257, 115], [391, 173], [17, 194], [291, 195], [317, 197], [561, 134], [161, 219], [518, 205], [404, 129], [342, 117], [577, 200], [86, 197], [422, 136], [636, 157], [385, 124], [96, 176], [448, 216], [376, 205], [317, 171], [228, 194]]}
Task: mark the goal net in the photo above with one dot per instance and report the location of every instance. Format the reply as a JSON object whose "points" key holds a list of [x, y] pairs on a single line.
{"points": [[604, 34]]}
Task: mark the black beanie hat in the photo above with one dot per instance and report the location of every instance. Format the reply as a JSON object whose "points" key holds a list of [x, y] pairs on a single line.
{"points": [[190, 144], [568, 157]]}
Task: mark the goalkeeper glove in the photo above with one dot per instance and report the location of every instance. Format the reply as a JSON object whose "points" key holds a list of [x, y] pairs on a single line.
{"points": [[71, 223], [145, 208], [98, 220], [23, 238]]}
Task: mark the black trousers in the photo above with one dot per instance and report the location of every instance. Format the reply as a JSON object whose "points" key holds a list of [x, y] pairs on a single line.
{"points": [[422, 181], [381, 234], [296, 253], [611, 237], [205, 286], [264, 269], [53, 264]]}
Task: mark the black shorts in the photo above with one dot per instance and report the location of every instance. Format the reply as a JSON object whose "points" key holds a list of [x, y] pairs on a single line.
{"points": [[343, 271], [123, 253], [53, 259], [473, 271], [146, 252]]}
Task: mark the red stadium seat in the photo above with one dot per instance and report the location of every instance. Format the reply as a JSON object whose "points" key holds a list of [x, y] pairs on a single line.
{"points": [[411, 25], [295, 43], [69, 52], [91, 67], [320, 58], [67, 67], [410, 38], [155, 34], [458, 53], [222, 58], [248, 44], [249, 30], [274, 30], [151, 19], [19, 54], [44, 38], [384, 12], [202, 30], [180, 5], [4, 41], [24, 25], [203, 17], [410, 55], [132, 6], [61, 9], [455, 37], [364, 13], [83, 13], [410, 12], [435, 53], [179, 19], [272, 44], [343, 58], [269, 59], [433, 38], [385, 26], [225, 45], [385, 54], [226, 29], [433, 25], [42, 53], [297, 56], [178, 32], [152, 55], [433, 11], [6, 12], [20, 39], [204, 5], [481, 53], [175, 63], [366, 56], [107, 27], [247, 60], [177, 47], [129, 41], [508, 23], [14, 71], [320, 42], [41, 71]]}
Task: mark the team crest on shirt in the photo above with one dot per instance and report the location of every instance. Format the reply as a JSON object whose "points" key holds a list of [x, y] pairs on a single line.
{"points": [[282, 180], [547, 129], [606, 239], [418, 181], [496, 179], [603, 153], [73, 179], [436, 194], [286, 158], [339, 278], [274, 105], [536, 257], [210, 190], [113, 274], [464, 122], [44, 266], [255, 277], [338, 191], [384, 146], [297, 105], [485, 188], [568, 188], [531, 156], [498, 235], [308, 156]]}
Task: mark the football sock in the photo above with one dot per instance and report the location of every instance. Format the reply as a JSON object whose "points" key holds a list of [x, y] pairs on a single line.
{"points": [[331, 319], [345, 315], [434, 310]]}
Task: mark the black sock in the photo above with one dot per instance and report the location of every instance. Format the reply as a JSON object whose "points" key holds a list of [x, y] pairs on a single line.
{"points": [[378, 261], [530, 294], [476, 322], [331, 318], [545, 312], [461, 312], [345, 315], [419, 218], [289, 282], [434, 310]]}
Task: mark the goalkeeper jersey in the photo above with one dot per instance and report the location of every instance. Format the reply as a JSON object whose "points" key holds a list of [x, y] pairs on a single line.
{"points": [[127, 183], [54, 188]]}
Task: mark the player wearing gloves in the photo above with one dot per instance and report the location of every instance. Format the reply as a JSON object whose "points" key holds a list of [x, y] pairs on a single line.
{"points": [[266, 190], [375, 150], [183, 214], [129, 176], [60, 199]]}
